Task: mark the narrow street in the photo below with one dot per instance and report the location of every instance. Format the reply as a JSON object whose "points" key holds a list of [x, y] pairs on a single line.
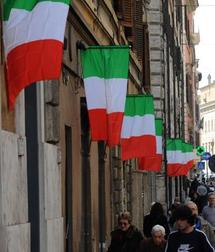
{"points": [[107, 126]]}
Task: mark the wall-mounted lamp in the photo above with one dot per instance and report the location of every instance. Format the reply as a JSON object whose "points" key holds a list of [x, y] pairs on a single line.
{"points": [[80, 45]]}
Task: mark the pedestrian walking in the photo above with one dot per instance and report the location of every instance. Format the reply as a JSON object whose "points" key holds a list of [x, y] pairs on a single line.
{"points": [[201, 223], [187, 238], [156, 216], [208, 212], [156, 243], [171, 211], [126, 238], [175, 205], [201, 197], [193, 188]]}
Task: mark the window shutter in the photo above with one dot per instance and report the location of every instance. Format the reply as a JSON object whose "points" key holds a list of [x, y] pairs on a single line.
{"points": [[118, 7], [138, 29], [146, 61], [127, 13]]}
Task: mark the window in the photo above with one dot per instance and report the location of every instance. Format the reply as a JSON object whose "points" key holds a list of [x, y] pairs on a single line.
{"points": [[95, 2]]}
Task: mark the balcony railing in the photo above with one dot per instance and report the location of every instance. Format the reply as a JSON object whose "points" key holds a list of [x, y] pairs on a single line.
{"points": [[195, 38]]}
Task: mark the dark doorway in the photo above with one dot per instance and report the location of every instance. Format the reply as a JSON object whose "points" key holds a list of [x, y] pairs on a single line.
{"points": [[68, 189], [86, 185], [177, 185], [32, 164], [101, 190]]}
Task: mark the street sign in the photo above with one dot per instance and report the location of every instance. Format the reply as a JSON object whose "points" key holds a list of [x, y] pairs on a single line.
{"points": [[200, 150], [211, 163], [201, 166], [206, 156]]}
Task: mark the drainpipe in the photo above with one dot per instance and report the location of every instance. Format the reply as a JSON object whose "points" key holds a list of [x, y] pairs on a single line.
{"points": [[168, 182], [101, 192]]}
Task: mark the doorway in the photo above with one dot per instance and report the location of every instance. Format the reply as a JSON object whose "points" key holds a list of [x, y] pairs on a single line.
{"points": [[68, 189]]}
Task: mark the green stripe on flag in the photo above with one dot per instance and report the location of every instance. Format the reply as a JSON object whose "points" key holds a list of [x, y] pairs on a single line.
{"points": [[184, 146], [174, 145], [184, 152], [159, 126], [139, 105], [190, 147], [27, 5], [105, 62]]}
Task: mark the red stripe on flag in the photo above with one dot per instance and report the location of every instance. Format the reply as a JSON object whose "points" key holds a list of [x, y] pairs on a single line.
{"points": [[98, 124], [179, 169], [134, 147], [31, 62], [190, 164], [151, 163], [186, 167], [175, 170], [114, 128]]}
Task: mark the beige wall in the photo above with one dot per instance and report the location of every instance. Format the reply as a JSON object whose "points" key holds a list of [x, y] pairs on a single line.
{"points": [[207, 111], [103, 30]]}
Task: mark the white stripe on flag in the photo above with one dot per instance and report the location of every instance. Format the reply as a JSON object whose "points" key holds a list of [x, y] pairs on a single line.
{"points": [[95, 93], [106, 93], [138, 126], [174, 157], [159, 144], [46, 21], [116, 89]]}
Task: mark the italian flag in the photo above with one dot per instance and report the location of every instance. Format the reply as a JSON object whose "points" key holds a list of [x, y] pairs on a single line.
{"points": [[175, 157], [154, 163], [105, 72], [190, 154], [188, 157], [33, 32], [138, 130]]}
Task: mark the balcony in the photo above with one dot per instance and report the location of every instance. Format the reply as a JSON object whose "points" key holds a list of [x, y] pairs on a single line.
{"points": [[195, 38], [192, 5]]}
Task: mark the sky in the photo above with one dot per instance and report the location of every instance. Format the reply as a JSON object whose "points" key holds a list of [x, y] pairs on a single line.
{"points": [[205, 23]]}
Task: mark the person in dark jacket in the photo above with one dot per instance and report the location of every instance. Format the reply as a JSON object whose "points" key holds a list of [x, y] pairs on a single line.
{"points": [[156, 216], [193, 188], [171, 211], [201, 223], [201, 197], [126, 237], [155, 244], [187, 238]]}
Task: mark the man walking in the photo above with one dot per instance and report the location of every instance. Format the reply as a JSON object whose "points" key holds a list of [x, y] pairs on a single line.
{"points": [[201, 223], [187, 238], [156, 243], [208, 212], [126, 238]]}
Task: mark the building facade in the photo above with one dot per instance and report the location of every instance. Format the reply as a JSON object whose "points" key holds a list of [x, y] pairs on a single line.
{"points": [[59, 190], [207, 112]]}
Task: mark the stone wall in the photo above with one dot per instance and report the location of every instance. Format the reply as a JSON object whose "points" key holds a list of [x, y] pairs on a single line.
{"points": [[52, 232], [14, 226], [156, 44]]}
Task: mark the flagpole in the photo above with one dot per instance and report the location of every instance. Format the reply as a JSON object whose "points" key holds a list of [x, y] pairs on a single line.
{"points": [[136, 95], [165, 124], [82, 46], [109, 47]]}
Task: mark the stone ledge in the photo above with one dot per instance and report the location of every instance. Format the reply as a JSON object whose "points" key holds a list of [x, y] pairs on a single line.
{"points": [[15, 238], [55, 235], [13, 180]]}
